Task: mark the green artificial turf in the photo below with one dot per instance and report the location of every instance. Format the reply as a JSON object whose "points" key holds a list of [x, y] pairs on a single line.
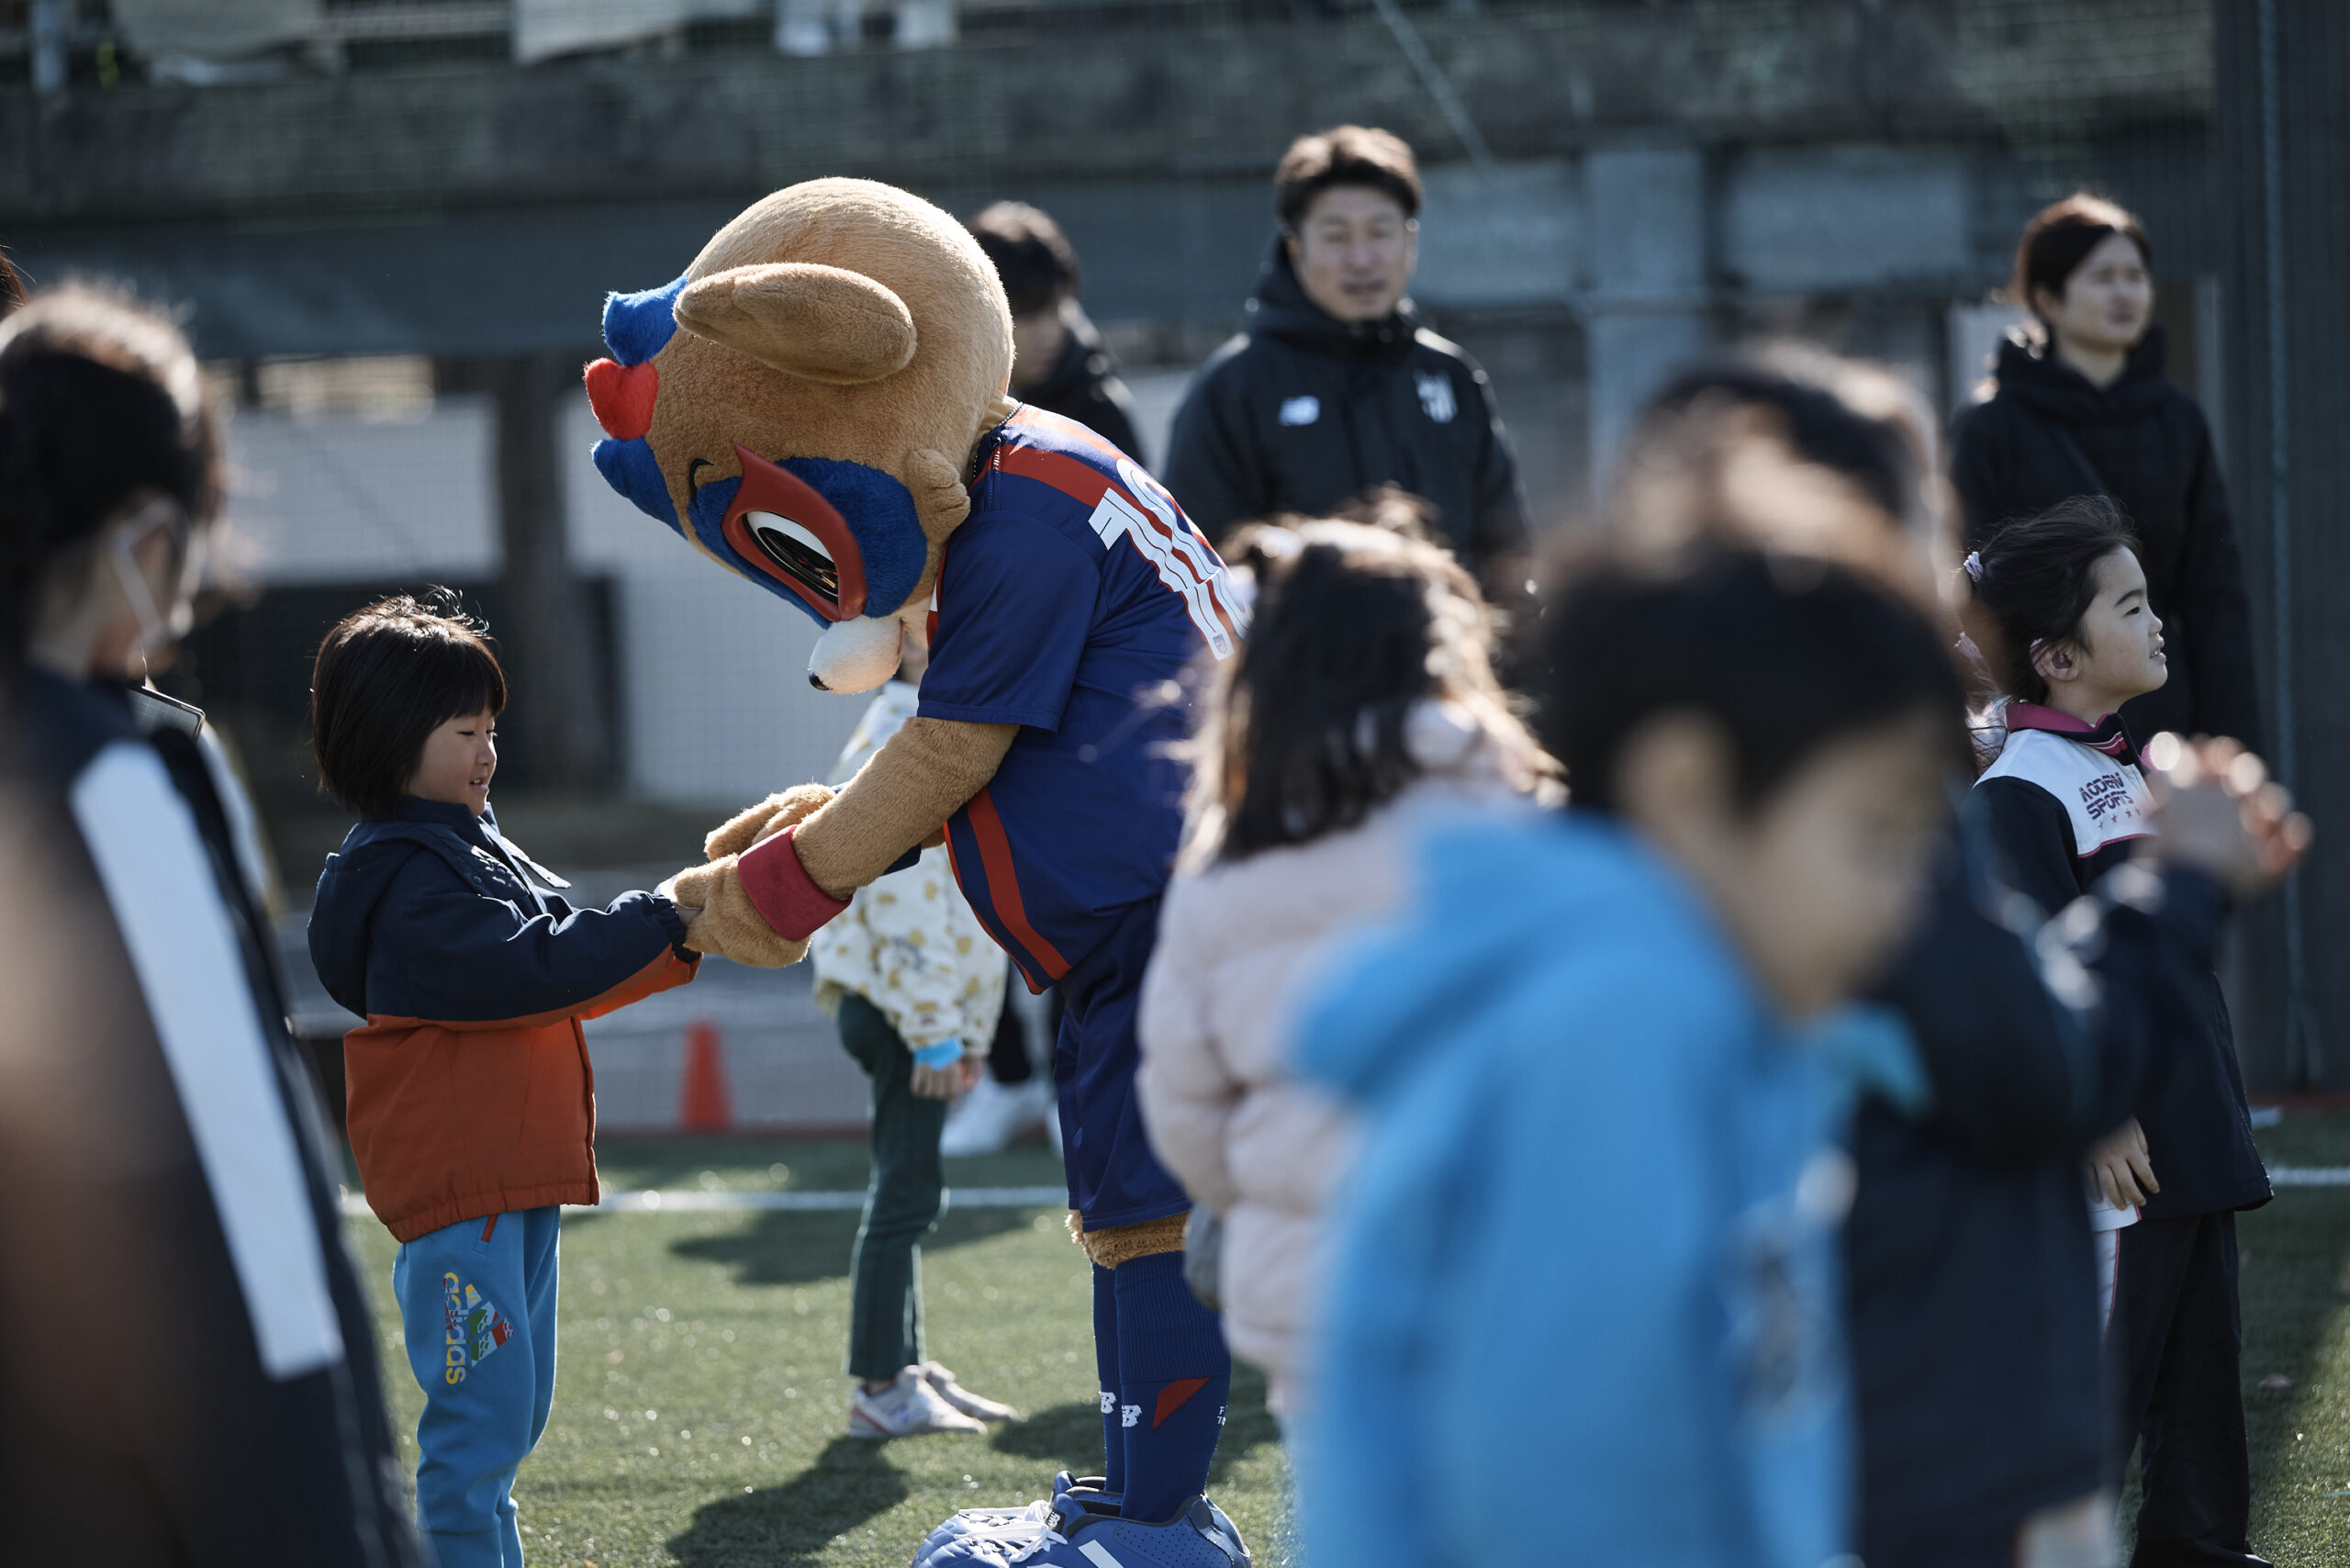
{"points": [[700, 1411], [2295, 1261]]}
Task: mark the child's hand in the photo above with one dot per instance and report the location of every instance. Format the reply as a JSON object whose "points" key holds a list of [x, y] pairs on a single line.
{"points": [[723, 921], [2117, 1165], [2222, 815], [764, 820], [938, 1072]]}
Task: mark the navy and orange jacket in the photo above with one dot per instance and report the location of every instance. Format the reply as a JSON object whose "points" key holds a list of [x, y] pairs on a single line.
{"points": [[470, 1091]]}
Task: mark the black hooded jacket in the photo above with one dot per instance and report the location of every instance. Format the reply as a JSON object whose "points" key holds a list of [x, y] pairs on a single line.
{"points": [[2047, 434], [1083, 385], [1969, 1274], [1303, 412]]}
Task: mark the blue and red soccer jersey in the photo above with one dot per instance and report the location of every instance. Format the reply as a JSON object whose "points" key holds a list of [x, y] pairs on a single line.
{"points": [[1069, 603]]}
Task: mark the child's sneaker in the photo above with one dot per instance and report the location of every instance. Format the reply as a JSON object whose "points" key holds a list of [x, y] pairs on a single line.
{"points": [[986, 1120], [942, 1383], [908, 1407]]}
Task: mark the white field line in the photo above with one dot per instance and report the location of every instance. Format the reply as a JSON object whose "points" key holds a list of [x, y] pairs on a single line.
{"points": [[692, 1201], [2309, 1175]]}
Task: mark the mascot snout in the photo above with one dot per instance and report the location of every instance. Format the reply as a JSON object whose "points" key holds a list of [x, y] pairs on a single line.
{"points": [[856, 655]]}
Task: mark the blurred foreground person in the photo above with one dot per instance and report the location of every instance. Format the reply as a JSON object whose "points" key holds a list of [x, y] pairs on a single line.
{"points": [[2082, 408], [1361, 713], [2061, 606], [1336, 387], [1058, 360], [1606, 1069], [197, 1379], [1973, 1311]]}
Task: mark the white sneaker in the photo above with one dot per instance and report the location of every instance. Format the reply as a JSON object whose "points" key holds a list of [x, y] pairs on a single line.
{"points": [[986, 1119], [979, 1408], [908, 1407]]}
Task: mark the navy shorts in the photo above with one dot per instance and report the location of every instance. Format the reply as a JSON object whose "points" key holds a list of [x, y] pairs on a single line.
{"points": [[1114, 1179]]}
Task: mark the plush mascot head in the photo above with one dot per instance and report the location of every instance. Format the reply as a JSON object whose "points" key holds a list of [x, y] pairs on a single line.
{"points": [[800, 406]]}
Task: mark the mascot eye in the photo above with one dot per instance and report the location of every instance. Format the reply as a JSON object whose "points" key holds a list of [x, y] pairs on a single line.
{"points": [[797, 551]]}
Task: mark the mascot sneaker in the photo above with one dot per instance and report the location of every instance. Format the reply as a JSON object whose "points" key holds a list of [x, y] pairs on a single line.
{"points": [[976, 1406], [908, 1407], [1068, 1533], [982, 1538]]}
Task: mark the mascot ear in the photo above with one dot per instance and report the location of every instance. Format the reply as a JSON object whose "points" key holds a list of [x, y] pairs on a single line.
{"points": [[825, 323]]}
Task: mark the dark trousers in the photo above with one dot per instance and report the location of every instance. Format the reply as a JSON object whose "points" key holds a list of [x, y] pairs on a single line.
{"points": [[900, 1204], [2178, 1336]]}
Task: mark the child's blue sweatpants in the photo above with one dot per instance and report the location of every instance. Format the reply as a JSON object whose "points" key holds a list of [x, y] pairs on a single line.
{"points": [[477, 1306]]}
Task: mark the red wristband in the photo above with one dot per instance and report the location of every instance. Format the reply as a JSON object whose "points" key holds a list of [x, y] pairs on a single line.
{"points": [[779, 888]]}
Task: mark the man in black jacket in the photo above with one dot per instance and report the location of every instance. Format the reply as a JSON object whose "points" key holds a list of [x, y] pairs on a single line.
{"points": [[1334, 387], [1058, 360], [2084, 409]]}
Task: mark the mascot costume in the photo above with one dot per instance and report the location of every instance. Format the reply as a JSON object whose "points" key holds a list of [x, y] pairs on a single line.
{"points": [[819, 405]]}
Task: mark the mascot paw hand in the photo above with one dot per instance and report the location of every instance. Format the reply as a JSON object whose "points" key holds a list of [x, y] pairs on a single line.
{"points": [[765, 819], [729, 925]]}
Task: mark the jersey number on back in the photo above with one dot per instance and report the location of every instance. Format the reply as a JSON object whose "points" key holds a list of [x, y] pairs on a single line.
{"points": [[1184, 563]]}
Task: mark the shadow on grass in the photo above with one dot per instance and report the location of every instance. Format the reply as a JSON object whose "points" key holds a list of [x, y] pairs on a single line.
{"points": [[1068, 1436], [789, 1248], [850, 1483]]}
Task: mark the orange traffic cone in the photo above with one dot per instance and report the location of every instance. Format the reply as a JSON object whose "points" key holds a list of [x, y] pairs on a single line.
{"points": [[703, 1106]]}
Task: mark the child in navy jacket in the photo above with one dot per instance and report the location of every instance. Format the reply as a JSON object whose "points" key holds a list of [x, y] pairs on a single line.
{"points": [[472, 1101], [2061, 612]]}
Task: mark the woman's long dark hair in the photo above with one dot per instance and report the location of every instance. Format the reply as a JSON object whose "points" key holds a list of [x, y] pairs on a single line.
{"points": [[101, 403], [2032, 582], [1307, 731]]}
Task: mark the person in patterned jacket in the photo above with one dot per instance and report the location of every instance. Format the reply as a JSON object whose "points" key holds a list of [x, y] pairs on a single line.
{"points": [[916, 985]]}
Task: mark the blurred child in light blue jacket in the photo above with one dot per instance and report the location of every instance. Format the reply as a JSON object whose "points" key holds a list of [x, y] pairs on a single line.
{"points": [[1584, 1305]]}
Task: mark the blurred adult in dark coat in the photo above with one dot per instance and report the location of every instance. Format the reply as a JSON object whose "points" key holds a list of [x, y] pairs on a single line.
{"points": [[1336, 390], [1059, 362], [2081, 406]]}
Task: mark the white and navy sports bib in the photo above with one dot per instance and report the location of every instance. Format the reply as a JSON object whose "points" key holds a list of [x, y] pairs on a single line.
{"points": [[2104, 796]]}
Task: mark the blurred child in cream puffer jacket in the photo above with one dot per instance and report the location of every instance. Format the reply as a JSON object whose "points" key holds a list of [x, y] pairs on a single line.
{"points": [[1362, 710]]}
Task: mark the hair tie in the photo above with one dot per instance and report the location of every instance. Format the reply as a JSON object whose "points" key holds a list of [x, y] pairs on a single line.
{"points": [[1974, 565]]}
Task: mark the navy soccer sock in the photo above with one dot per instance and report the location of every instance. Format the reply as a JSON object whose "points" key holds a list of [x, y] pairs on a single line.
{"points": [[1174, 1375], [1105, 1368]]}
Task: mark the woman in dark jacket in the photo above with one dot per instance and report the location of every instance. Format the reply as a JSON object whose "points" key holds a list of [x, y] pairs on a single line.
{"points": [[194, 1376], [2082, 408]]}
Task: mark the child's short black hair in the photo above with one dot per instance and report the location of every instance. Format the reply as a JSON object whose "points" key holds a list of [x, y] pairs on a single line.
{"points": [[2035, 580], [1787, 653], [386, 677]]}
